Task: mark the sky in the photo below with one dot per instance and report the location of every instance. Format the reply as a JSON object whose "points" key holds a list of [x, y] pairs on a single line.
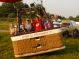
{"points": [[59, 7]]}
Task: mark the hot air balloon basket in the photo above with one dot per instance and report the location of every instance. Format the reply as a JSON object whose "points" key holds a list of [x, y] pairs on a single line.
{"points": [[37, 43]]}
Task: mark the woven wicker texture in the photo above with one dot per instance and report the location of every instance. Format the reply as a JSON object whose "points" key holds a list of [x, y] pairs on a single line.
{"points": [[38, 44]]}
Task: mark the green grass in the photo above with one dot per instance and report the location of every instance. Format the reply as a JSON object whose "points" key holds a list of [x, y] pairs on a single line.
{"points": [[5, 46], [71, 51], [4, 25]]}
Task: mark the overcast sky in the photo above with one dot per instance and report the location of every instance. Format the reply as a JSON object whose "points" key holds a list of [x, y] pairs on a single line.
{"points": [[60, 7]]}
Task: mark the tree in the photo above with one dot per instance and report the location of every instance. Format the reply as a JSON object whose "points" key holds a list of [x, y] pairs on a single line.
{"points": [[41, 10], [71, 18], [19, 5], [77, 18], [74, 18], [8, 8], [3, 12], [12, 15], [61, 17]]}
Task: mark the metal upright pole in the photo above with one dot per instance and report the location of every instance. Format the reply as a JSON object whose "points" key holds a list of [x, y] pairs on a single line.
{"points": [[41, 2], [42, 8], [19, 21]]}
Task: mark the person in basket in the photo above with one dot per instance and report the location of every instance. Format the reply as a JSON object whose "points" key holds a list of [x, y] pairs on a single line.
{"points": [[38, 23], [46, 24], [28, 25]]}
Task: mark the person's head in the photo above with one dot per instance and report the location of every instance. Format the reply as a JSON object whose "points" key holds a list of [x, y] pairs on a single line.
{"points": [[28, 21], [52, 16], [44, 17], [56, 16], [37, 18]]}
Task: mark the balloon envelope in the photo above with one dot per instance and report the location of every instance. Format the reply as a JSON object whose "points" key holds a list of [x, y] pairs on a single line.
{"points": [[9, 1]]}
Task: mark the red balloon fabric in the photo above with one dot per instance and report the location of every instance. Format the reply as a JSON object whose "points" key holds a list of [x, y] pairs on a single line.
{"points": [[9, 1]]}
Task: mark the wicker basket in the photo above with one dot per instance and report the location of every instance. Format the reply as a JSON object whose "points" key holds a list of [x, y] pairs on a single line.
{"points": [[37, 43]]}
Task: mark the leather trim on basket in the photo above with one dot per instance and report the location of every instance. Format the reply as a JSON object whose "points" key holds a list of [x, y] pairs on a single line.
{"points": [[38, 34]]}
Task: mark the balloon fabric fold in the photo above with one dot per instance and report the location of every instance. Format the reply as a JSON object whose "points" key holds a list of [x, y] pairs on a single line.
{"points": [[10, 1]]}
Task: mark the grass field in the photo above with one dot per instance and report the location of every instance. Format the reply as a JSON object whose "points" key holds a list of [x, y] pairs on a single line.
{"points": [[71, 51], [4, 25]]}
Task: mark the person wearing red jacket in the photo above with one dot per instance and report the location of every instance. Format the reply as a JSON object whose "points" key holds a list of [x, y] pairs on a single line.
{"points": [[38, 24]]}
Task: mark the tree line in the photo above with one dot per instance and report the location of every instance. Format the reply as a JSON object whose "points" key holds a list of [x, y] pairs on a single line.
{"points": [[9, 10]]}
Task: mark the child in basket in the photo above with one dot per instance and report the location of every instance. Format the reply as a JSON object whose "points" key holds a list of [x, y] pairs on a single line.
{"points": [[28, 26]]}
